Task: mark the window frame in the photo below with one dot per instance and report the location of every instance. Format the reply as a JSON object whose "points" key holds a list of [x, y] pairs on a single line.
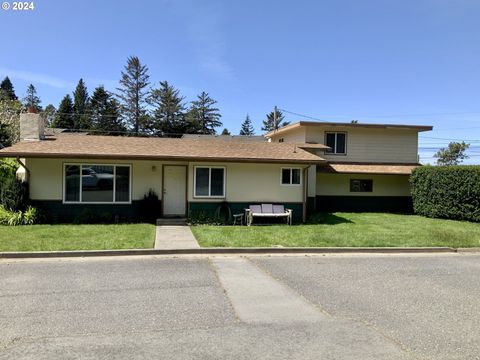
{"points": [[334, 150], [130, 173], [350, 183], [291, 176], [209, 196]]}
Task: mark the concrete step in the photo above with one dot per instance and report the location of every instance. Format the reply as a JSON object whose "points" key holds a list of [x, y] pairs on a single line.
{"points": [[171, 221]]}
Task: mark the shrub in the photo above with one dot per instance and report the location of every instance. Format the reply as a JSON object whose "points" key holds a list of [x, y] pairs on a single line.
{"points": [[149, 207], [205, 218], [14, 218], [450, 192], [87, 216], [14, 194]]}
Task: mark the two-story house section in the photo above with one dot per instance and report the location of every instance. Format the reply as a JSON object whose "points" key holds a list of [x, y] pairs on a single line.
{"points": [[368, 165]]}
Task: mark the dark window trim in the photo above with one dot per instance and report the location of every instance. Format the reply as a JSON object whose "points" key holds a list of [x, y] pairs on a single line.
{"points": [[361, 191]]}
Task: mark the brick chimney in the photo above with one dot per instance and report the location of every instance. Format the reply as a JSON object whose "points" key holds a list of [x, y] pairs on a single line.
{"points": [[31, 127]]}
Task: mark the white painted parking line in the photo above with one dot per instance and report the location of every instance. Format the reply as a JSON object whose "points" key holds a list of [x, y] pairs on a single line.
{"points": [[259, 298]]}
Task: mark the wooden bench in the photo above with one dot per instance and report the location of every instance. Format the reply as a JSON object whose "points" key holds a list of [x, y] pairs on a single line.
{"points": [[268, 210]]}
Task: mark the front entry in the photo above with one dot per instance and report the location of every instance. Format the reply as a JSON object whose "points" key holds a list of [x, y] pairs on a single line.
{"points": [[174, 190]]}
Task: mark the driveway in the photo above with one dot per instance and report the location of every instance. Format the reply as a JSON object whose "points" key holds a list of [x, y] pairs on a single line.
{"points": [[328, 307]]}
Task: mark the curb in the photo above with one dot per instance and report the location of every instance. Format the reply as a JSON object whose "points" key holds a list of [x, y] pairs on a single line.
{"points": [[219, 251]]}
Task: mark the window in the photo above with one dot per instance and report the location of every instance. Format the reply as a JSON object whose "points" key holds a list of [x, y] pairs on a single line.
{"points": [[357, 185], [337, 142], [281, 140], [291, 176], [209, 181], [97, 183]]}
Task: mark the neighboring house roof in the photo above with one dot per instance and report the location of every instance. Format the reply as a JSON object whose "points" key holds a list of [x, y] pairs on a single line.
{"points": [[117, 147], [225, 137], [352, 125], [368, 168]]}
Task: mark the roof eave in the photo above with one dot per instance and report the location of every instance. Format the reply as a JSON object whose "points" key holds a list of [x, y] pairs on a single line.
{"points": [[151, 157]]}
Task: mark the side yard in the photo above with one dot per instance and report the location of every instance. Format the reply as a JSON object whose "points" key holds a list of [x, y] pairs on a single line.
{"points": [[346, 229], [76, 237]]}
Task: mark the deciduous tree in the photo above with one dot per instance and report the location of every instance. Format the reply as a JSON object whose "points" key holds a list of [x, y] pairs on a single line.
{"points": [[454, 154]]}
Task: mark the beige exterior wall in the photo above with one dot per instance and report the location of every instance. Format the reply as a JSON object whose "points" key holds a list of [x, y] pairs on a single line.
{"points": [[297, 135], [383, 185], [244, 182], [46, 176], [371, 145], [251, 182], [363, 145]]}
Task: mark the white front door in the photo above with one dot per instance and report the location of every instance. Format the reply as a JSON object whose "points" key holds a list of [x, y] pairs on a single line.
{"points": [[174, 190]]}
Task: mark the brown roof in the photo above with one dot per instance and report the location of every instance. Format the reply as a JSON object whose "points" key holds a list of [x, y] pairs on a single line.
{"points": [[368, 168], [116, 147], [353, 125]]}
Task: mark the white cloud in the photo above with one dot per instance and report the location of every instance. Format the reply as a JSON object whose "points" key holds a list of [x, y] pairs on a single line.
{"points": [[37, 78]]}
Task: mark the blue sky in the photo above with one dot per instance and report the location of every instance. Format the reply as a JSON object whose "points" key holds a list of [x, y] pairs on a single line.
{"points": [[385, 61]]}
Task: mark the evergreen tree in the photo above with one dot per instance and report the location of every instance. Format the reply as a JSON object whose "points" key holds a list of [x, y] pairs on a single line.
{"points": [[49, 114], [226, 132], [247, 127], [105, 112], [132, 93], [81, 107], [6, 90], [168, 110], [31, 100], [274, 121], [202, 116], [64, 116]]}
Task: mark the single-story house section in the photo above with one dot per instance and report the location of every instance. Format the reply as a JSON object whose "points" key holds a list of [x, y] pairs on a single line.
{"points": [[68, 173]]}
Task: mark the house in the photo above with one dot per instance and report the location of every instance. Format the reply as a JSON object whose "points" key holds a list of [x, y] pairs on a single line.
{"points": [[68, 173], [367, 165], [305, 166]]}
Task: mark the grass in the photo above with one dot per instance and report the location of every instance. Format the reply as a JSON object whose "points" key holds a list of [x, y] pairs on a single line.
{"points": [[76, 237], [346, 229]]}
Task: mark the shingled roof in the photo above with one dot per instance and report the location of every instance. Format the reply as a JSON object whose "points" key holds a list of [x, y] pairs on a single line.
{"points": [[368, 168], [117, 147]]}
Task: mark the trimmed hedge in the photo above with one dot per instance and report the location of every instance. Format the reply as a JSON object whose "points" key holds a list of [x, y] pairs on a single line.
{"points": [[449, 192]]}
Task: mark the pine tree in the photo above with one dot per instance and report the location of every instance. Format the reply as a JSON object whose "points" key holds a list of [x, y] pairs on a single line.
{"points": [[81, 107], [31, 100], [202, 116], [132, 93], [49, 114], [6, 90], [105, 112], [64, 116], [226, 132], [247, 127], [168, 110], [273, 122]]}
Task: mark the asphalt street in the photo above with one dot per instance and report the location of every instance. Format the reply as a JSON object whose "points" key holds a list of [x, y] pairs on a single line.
{"points": [[279, 307]]}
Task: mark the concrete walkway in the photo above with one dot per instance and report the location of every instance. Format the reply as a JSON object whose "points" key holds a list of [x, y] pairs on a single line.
{"points": [[175, 237]]}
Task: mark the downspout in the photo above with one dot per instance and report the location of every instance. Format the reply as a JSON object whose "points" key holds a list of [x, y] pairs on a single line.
{"points": [[305, 189]]}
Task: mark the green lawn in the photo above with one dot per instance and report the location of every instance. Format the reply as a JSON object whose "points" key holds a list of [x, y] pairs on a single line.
{"points": [[347, 229], [76, 237]]}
